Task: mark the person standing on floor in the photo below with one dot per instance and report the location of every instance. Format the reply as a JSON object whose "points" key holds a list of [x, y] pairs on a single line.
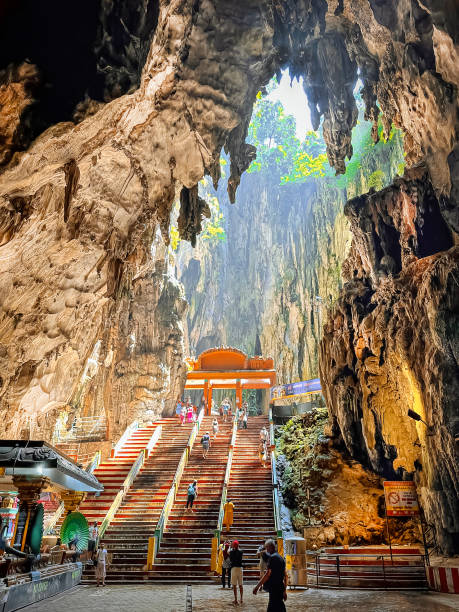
{"points": [[192, 494], [205, 441], [236, 570], [183, 414], [215, 427], [224, 563], [274, 579], [92, 541], [101, 561], [228, 516]]}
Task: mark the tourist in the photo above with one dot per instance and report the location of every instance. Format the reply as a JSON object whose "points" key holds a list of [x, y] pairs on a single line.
{"points": [[228, 516], [224, 563], [236, 570], [178, 409], [238, 417], [274, 579], [244, 418], [100, 563], [93, 535], [264, 434], [189, 411], [192, 494], [205, 441], [225, 407], [183, 414], [215, 427], [263, 453], [263, 556]]}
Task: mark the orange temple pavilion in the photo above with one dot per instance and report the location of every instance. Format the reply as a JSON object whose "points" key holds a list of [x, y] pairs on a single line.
{"points": [[229, 368]]}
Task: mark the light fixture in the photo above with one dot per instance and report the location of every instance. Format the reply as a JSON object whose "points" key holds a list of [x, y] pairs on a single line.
{"points": [[416, 417]]}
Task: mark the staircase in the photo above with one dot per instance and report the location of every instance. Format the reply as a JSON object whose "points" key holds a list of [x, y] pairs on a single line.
{"points": [[112, 473], [127, 536], [250, 489], [184, 554]]}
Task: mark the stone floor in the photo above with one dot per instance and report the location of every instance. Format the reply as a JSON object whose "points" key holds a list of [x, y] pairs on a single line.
{"points": [[141, 598]]}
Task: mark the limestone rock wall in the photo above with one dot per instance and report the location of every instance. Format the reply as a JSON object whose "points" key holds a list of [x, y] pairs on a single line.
{"points": [[391, 344], [80, 203]]}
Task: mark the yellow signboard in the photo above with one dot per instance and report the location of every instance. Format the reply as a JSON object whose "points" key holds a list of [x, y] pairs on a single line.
{"points": [[401, 498]]}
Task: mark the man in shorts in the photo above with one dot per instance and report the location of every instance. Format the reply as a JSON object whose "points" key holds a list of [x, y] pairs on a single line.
{"points": [[236, 570], [205, 441]]}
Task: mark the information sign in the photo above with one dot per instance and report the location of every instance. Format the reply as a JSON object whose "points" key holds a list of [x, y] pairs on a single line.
{"points": [[401, 498]]}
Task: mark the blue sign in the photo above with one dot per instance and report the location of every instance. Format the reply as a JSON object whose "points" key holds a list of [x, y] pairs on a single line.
{"points": [[298, 388]]}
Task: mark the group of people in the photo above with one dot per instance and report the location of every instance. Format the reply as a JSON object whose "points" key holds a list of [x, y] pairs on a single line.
{"points": [[273, 576], [186, 411]]}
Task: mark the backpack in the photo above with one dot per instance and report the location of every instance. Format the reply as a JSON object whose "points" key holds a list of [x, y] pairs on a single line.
{"points": [[191, 490]]}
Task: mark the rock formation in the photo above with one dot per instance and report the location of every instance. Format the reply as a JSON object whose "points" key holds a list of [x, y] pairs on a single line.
{"points": [[113, 141], [266, 287], [391, 344]]}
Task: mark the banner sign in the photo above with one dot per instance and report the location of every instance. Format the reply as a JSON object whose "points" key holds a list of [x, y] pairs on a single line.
{"points": [[298, 388], [401, 498]]}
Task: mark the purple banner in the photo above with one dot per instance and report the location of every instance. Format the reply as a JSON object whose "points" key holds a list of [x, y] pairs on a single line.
{"points": [[298, 388]]}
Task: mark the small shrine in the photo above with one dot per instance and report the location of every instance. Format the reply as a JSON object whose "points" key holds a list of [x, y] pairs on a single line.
{"points": [[229, 368]]}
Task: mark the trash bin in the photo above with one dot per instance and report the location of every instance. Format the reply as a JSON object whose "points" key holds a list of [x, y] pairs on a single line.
{"points": [[296, 561]]}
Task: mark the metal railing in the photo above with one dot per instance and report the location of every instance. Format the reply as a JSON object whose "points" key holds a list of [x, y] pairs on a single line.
{"points": [[275, 483], [221, 513], [155, 541], [135, 469], [52, 522], [404, 571], [94, 464], [124, 438]]}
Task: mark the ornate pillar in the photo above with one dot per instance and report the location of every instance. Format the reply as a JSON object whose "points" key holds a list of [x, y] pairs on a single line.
{"points": [[72, 500], [29, 489]]}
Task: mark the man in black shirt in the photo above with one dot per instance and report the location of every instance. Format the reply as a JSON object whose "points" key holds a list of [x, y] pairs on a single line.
{"points": [[275, 579], [236, 569]]}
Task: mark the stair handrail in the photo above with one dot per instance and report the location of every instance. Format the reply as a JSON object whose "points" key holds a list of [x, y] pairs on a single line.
{"points": [[126, 435], [221, 513], [94, 463], [135, 469], [275, 483], [226, 481], [155, 541], [52, 522]]}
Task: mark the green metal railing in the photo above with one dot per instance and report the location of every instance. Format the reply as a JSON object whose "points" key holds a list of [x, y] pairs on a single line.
{"points": [[155, 541], [51, 523], [275, 482], [135, 469]]}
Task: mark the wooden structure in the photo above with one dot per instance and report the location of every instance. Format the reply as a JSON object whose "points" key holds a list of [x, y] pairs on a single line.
{"points": [[229, 368]]}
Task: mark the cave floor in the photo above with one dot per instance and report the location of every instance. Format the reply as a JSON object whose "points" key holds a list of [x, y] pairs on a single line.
{"points": [[140, 598]]}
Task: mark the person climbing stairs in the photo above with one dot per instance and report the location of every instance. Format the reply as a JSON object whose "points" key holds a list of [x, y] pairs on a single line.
{"points": [[184, 554], [250, 490], [127, 536]]}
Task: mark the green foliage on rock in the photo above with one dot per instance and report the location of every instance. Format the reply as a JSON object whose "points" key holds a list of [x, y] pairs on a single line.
{"points": [[304, 444]]}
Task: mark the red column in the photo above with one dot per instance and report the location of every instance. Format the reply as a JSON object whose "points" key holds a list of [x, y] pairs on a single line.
{"points": [[238, 394], [206, 397]]}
